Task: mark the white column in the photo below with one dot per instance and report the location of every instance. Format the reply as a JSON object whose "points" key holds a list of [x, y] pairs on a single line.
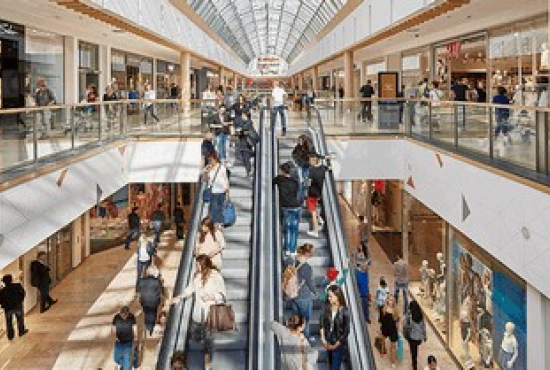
{"points": [[185, 70], [104, 67], [70, 63], [315, 78], [363, 72], [536, 336], [348, 75]]}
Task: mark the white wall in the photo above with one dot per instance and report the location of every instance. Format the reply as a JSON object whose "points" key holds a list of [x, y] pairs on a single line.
{"points": [[31, 212], [502, 211], [164, 19], [369, 18]]}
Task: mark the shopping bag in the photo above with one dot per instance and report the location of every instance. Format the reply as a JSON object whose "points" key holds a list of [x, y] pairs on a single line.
{"points": [[400, 349], [380, 344], [229, 214]]}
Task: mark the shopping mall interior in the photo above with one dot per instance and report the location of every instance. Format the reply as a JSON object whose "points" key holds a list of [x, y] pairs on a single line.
{"points": [[383, 200]]}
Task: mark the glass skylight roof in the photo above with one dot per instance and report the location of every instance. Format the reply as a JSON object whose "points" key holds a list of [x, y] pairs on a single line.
{"points": [[255, 28]]}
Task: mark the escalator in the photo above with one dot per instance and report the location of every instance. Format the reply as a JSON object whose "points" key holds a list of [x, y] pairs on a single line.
{"points": [[331, 249], [231, 349]]}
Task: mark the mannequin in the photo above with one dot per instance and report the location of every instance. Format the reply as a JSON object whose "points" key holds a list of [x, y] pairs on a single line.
{"points": [[544, 56], [442, 266], [486, 348], [488, 292], [441, 304], [465, 334], [425, 279], [432, 286], [508, 348]]}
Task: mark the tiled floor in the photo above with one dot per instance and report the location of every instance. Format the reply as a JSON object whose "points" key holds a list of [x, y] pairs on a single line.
{"points": [[381, 266], [75, 333]]}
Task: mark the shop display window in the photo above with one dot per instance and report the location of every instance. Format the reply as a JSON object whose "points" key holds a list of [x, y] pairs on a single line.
{"points": [[428, 264], [108, 221], [88, 69], [488, 326], [415, 67]]}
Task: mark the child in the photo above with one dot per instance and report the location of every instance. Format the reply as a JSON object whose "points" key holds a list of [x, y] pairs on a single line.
{"points": [[381, 296], [332, 274]]}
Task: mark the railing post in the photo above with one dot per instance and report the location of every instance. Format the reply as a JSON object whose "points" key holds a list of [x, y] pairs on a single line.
{"points": [[430, 123], [35, 136], [99, 126], [72, 126], [180, 122], [456, 108], [491, 137]]}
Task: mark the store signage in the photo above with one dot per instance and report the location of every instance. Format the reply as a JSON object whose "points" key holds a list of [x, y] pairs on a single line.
{"points": [[453, 49], [388, 85]]}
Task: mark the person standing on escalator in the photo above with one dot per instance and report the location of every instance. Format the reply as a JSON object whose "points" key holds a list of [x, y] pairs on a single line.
{"points": [[317, 174], [290, 206], [335, 326]]}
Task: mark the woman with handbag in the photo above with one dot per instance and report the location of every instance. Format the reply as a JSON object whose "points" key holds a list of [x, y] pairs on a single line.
{"points": [[208, 287], [210, 242], [414, 330], [218, 187], [388, 327], [296, 351], [335, 324]]}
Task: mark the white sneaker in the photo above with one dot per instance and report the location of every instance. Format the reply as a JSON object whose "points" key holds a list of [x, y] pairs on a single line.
{"points": [[315, 234], [321, 221]]}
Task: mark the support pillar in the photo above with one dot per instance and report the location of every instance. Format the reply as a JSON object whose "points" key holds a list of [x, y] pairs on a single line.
{"points": [[315, 78], [185, 78], [234, 81], [348, 74], [70, 62], [363, 73], [405, 223], [393, 63], [301, 81]]}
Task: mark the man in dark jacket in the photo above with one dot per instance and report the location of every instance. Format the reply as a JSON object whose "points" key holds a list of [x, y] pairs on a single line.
{"points": [[290, 206], [133, 227], [179, 219], [150, 296], [11, 300], [40, 278], [157, 222]]}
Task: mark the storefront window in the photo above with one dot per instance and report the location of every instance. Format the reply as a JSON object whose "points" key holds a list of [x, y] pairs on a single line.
{"points": [[88, 69], [428, 263], [167, 74], [519, 62], [415, 67], [488, 327], [130, 73]]}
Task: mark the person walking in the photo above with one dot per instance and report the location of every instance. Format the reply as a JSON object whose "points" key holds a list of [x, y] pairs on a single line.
{"points": [[382, 294], [207, 147], [290, 207], [210, 242], [335, 326], [134, 224], [317, 174], [124, 329], [208, 287], [216, 175], [388, 327], [362, 277], [367, 92], [303, 304], [179, 220], [40, 278], [150, 94], [432, 363], [43, 97], [459, 93], [150, 296], [296, 351], [278, 101], [414, 330], [401, 271], [12, 296], [157, 221], [143, 257], [363, 231], [502, 115]]}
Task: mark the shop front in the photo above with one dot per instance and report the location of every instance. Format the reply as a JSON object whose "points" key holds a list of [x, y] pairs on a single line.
{"points": [[130, 74], [88, 69], [167, 74], [476, 305]]}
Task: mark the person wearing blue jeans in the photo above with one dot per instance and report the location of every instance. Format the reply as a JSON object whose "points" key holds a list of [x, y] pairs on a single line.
{"points": [[290, 206], [362, 277], [219, 183], [278, 101], [124, 329], [401, 270], [219, 122], [335, 325], [157, 221], [303, 304]]}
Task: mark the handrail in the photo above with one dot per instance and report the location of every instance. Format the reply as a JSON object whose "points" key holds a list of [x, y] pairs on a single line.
{"points": [[256, 314], [359, 346], [175, 334]]}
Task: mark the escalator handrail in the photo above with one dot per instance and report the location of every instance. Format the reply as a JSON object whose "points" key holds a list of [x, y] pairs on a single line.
{"points": [[179, 315], [361, 353], [256, 315]]}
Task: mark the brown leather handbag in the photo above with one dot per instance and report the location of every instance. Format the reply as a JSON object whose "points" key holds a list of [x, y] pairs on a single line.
{"points": [[221, 317]]}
